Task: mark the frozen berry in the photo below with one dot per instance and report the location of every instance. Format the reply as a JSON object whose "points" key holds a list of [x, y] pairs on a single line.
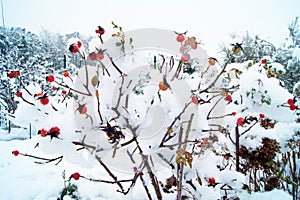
{"points": [[76, 176], [50, 78], [66, 74], [212, 181], [227, 156], [44, 100], [42, 132], [212, 61], [240, 121], [99, 56], [293, 107], [195, 100], [262, 116], [54, 88], [79, 44], [92, 56], [19, 94], [233, 113], [264, 61], [15, 152], [64, 92], [228, 98], [73, 48], [82, 109], [162, 86], [180, 37], [205, 140], [290, 101], [185, 58], [100, 30]]}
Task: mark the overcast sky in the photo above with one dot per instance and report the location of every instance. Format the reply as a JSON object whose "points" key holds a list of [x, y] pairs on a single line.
{"points": [[211, 21]]}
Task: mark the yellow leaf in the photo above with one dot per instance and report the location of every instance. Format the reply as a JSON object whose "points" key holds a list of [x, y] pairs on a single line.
{"points": [[178, 159], [224, 93]]}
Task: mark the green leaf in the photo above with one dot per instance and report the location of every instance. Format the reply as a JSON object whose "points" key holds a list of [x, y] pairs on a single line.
{"points": [[118, 44]]}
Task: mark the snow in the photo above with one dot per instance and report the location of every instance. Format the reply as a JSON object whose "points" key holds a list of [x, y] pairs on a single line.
{"points": [[24, 179]]}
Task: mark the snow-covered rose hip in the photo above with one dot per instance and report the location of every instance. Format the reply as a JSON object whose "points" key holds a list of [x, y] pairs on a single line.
{"points": [[100, 30], [264, 61], [73, 48]]}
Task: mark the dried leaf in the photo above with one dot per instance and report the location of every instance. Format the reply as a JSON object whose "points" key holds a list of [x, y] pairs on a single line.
{"points": [[95, 81], [97, 94], [224, 93]]}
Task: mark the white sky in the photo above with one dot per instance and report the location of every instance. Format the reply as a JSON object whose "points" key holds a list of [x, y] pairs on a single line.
{"points": [[211, 21]]}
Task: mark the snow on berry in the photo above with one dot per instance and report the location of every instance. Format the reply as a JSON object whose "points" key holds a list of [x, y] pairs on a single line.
{"points": [[73, 48], [100, 30]]}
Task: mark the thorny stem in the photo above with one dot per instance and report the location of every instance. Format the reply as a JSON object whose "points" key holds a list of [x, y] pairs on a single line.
{"points": [[181, 165], [77, 91], [237, 148], [208, 115], [23, 86], [114, 64], [47, 160], [134, 139], [172, 124], [111, 174]]}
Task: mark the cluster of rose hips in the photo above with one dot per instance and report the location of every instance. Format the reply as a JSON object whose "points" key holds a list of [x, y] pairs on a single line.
{"points": [[99, 54], [186, 45], [74, 48], [13, 74], [54, 132], [291, 103]]}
